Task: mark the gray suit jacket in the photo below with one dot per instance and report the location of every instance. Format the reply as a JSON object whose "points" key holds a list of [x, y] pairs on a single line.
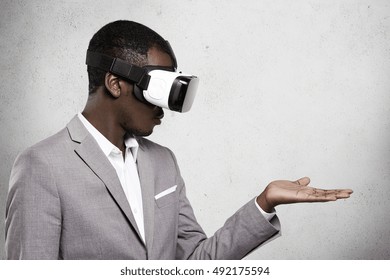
{"points": [[65, 202]]}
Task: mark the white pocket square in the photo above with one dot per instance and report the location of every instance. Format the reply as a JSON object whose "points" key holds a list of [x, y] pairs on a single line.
{"points": [[164, 193]]}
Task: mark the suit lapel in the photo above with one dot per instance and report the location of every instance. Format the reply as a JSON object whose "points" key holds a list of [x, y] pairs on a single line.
{"points": [[145, 171], [90, 152]]}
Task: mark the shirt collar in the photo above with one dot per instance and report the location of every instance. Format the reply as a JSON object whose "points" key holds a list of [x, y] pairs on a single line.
{"points": [[132, 144], [106, 146]]}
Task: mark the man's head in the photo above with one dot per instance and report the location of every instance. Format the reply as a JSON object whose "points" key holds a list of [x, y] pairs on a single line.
{"points": [[111, 96], [127, 40]]}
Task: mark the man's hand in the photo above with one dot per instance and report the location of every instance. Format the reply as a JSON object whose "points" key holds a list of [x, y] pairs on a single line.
{"points": [[286, 192]]}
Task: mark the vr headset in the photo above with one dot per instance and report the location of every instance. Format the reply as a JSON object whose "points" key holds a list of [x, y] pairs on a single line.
{"points": [[160, 86]]}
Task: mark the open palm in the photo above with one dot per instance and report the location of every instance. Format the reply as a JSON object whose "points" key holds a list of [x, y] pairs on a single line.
{"points": [[286, 192]]}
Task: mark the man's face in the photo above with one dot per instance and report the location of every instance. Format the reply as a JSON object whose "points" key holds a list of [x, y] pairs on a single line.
{"points": [[136, 117]]}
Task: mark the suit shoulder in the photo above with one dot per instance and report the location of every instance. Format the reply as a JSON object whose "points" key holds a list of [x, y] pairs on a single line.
{"points": [[46, 146]]}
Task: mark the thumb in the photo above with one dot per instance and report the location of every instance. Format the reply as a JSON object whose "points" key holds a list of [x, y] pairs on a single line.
{"points": [[303, 181]]}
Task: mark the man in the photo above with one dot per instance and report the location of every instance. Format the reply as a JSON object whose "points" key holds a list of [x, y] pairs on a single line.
{"points": [[98, 190]]}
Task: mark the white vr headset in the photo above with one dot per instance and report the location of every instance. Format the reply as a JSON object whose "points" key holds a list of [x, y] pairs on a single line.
{"points": [[160, 86]]}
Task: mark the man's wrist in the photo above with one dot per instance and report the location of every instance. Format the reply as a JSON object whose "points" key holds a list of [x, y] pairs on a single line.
{"points": [[264, 204]]}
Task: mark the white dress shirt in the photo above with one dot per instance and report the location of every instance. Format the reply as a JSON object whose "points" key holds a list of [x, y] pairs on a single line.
{"points": [[126, 170]]}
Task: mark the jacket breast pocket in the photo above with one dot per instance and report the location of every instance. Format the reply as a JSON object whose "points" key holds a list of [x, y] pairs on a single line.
{"points": [[166, 197]]}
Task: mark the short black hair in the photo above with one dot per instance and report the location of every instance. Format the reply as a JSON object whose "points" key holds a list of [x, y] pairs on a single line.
{"points": [[127, 40]]}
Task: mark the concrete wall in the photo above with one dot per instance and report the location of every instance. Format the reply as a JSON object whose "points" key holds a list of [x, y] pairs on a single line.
{"points": [[288, 89]]}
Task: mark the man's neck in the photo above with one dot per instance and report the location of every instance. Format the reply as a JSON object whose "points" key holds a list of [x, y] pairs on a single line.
{"points": [[108, 127]]}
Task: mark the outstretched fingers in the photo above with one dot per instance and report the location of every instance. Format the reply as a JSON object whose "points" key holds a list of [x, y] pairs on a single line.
{"points": [[344, 193], [319, 195]]}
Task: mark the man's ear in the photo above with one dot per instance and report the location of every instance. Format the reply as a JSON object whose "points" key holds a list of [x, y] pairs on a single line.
{"points": [[112, 84]]}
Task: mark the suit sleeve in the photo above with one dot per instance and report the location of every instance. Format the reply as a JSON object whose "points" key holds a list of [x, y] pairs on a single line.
{"points": [[33, 215], [243, 232]]}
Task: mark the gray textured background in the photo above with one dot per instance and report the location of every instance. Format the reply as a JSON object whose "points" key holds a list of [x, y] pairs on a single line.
{"points": [[288, 89]]}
